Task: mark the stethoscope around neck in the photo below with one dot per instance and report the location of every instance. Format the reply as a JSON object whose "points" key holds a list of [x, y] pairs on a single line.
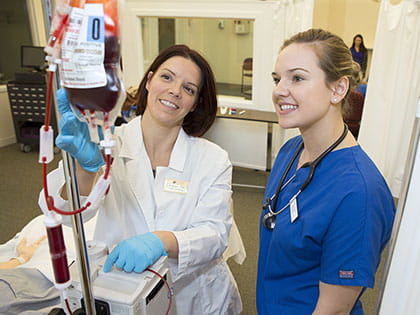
{"points": [[269, 219]]}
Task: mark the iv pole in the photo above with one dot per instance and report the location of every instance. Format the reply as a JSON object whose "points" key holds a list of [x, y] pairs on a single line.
{"points": [[69, 164]]}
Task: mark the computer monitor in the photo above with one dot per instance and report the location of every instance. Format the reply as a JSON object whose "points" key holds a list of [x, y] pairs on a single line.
{"points": [[32, 57]]}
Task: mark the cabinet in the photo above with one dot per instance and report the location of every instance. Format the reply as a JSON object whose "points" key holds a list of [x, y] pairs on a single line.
{"points": [[27, 105]]}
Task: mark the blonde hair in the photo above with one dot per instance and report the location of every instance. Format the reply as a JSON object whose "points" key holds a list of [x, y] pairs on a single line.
{"points": [[356, 75], [334, 56]]}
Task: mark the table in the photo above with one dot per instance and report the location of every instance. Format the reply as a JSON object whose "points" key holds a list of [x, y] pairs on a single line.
{"points": [[253, 115]]}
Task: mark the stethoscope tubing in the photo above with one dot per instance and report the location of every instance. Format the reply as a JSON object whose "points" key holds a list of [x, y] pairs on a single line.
{"points": [[312, 165]]}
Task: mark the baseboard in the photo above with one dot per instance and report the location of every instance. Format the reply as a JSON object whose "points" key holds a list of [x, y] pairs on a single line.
{"points": [[7, 141], [251, 166]]}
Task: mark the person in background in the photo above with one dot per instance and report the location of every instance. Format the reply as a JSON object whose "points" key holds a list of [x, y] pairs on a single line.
{"points": [[171, 189], [353, 115], [362, 87], [359, 53], [328, 212]]}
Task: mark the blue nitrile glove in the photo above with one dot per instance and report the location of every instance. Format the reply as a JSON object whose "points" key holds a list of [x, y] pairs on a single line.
{"points": [[136, 253], [74, 137]]}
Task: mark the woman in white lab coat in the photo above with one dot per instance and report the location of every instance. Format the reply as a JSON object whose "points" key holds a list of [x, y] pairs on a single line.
{"points": [[170, 191]]}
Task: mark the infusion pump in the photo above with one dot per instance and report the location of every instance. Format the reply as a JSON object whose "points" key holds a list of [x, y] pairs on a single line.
{"points": [[122, 293]]}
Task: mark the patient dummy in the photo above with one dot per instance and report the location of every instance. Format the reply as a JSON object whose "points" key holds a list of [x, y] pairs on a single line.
{"points": [[26, 275], [31, 246], [24, 251]]}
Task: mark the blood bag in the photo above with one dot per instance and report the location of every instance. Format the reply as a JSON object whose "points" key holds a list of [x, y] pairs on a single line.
{"points": [[90, 61]]}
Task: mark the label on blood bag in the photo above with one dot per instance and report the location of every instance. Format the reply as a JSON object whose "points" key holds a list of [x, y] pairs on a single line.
{"points": [[83, 48]]}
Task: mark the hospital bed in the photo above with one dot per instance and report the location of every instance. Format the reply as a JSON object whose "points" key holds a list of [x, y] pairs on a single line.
{"points": [[29, 288]]}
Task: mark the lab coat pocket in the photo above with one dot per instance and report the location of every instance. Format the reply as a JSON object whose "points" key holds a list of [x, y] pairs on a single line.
{"points": [[174, 209]]}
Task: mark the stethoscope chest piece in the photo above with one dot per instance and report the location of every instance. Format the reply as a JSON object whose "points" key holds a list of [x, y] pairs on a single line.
{"points": [[269, 221]]}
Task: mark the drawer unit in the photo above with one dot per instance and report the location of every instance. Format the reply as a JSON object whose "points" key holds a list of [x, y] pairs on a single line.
{"points": [[27, 105]]}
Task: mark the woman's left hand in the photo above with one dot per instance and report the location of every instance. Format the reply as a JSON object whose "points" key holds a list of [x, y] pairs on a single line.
{"points": [[27, 251]]}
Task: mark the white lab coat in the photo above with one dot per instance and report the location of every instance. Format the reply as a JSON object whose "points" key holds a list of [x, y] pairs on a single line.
{"points": [[200, 218]]}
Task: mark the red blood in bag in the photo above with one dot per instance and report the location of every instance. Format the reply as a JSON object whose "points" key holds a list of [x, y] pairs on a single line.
{"points": [[58, 254], [102, 98]]}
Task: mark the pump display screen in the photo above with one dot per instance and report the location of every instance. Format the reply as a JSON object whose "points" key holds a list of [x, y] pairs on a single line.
{"points": [[32, 57]]}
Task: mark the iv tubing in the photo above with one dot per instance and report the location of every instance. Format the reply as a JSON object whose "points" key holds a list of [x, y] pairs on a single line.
{"points": [[167, 285], [49, 200], [48, 107], [64, 297]]}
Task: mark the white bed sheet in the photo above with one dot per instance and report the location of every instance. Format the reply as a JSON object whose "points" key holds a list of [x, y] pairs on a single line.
{"points": [[41, 260]]}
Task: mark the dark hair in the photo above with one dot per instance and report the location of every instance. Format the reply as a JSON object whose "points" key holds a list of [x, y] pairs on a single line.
{"points": [[197, 122], [363, 49], [334, 57]]}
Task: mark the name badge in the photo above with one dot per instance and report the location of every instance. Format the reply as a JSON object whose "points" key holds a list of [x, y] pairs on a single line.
{"points": [[293, 210], [176, 186]]}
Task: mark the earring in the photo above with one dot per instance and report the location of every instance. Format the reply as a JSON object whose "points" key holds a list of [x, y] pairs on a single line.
{"points": [[334, 100]]}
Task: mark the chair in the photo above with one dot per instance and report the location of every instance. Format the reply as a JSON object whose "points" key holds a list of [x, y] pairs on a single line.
{"points": [[246, 72]]}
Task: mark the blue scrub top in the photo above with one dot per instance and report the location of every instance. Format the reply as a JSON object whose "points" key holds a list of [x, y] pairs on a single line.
{"points": [[357, 56], [345, 218], [362, 89]]}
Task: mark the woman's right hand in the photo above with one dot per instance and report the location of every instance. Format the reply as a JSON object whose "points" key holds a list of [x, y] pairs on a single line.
{"points": [[74, 137]]}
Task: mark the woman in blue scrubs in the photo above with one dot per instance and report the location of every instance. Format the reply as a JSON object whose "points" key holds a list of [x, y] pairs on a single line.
{"points": [[328, 211], [359, 53]]}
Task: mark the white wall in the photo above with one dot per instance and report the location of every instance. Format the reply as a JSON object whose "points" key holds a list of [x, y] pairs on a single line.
{"points": [[347, 18], [36, 21]]}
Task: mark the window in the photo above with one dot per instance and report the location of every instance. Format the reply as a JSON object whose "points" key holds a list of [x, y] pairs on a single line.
{"points": [[226, 44], [249, 29]]}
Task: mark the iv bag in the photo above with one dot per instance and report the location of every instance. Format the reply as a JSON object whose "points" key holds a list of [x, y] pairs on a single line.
{"points": [[90, 54]]}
